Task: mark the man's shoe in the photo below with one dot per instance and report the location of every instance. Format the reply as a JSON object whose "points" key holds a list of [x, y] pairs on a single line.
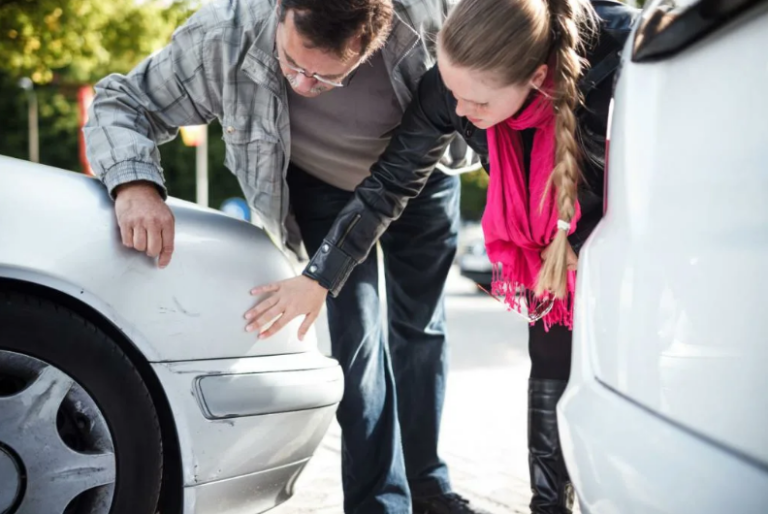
{"points": [[449, 503]]}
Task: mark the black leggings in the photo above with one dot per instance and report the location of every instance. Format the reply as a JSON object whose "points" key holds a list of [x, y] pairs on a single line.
{"points": [[550, 351]]}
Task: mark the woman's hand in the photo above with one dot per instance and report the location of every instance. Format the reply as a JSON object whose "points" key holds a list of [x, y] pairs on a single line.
{"points": [[572, 261], [290, 298]]}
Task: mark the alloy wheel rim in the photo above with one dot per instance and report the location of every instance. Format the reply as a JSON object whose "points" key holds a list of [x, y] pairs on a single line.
{"points": [[55, 443]]}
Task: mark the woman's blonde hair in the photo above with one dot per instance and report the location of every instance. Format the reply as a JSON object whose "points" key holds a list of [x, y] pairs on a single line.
{"points": [[511, 39]]}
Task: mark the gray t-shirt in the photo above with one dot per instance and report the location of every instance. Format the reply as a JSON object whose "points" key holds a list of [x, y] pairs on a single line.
{"points": [[339, 134]]}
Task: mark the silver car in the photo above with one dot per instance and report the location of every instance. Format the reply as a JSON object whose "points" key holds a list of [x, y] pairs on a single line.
{"points": [[129, 389]]}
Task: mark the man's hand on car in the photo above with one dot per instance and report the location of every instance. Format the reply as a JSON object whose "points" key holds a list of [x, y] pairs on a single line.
{"points": [[146, 222]]}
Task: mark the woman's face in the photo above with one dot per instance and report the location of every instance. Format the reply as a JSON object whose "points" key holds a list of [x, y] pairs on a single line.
{"points": [[479, 95]]}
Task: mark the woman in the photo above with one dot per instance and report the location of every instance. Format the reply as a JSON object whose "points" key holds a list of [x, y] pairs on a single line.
{"points": [[527, 98], [512, 67]]}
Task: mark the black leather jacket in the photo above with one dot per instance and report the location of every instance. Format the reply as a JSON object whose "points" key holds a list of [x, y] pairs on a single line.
{"points": [[429, 124]]}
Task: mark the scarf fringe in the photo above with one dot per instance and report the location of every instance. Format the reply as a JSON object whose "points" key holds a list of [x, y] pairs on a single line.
{"points": [[515, 293]]}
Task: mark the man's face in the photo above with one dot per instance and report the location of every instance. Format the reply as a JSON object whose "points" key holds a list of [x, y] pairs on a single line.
{"points": [[311, 71]]}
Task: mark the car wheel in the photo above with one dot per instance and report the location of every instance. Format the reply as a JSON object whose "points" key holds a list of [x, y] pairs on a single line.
{"points": [[79, 433]]}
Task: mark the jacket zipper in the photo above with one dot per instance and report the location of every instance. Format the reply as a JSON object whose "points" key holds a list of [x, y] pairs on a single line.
{"points": [[349, 229]]}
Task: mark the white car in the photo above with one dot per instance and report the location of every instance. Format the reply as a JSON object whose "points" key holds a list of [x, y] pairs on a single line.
{"points": [[666, 409], [126, 389]]}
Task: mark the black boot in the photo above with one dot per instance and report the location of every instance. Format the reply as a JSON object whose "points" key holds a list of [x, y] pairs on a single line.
{"points": [[551, 488]]}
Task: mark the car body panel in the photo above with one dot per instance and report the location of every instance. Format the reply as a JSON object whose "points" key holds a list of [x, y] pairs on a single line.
{"points": [[623, 459], [232, 395], [192, 310], [236, 495], [663, 412], [219, 449], [672, 283], [246, 434]]}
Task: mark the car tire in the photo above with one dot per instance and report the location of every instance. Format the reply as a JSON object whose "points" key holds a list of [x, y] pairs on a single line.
{"points": [[38, 330]]}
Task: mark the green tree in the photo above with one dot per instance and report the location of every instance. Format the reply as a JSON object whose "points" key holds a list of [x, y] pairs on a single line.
{"points": [[474, 187], [62, 44], [59, 130], [77, 41]]}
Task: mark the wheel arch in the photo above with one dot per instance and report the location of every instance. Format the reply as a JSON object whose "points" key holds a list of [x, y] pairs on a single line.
{"points": [[171, 493]]}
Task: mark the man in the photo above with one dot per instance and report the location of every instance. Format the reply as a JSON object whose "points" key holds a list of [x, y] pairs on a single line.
{"points": [[352, 67]]}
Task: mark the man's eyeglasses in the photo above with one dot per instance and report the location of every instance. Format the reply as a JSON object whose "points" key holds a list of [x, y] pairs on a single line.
{"points": [[335, 83], [279, 53]]}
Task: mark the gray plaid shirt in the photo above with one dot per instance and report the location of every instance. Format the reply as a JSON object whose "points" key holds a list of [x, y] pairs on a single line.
{"points": [[221, 65]]}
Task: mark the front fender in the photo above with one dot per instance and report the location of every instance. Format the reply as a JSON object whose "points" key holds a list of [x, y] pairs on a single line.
{"points": [[58, 229]]}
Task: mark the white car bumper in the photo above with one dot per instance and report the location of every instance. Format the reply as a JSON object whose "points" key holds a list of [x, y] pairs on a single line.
{"points": [[624, 459]]}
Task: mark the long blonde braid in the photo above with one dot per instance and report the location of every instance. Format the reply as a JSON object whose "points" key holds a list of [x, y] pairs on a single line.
{"points": [[566, 16]]}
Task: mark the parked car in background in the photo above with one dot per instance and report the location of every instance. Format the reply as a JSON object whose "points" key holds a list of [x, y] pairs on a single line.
{"points": [[665, 412], [127, 389], [473, 261]]}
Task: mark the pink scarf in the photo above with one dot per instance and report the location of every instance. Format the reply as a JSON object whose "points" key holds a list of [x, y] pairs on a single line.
{"points": [[516, 230]]}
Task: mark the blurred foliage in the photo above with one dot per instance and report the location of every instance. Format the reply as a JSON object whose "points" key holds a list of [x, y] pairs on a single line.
{"points": [[473, 190], [57, 121], [59, 131], [62, 44], [79, 41]]}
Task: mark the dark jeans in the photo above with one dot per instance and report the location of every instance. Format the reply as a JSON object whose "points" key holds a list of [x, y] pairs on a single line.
{"points": [[393, 397]]}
